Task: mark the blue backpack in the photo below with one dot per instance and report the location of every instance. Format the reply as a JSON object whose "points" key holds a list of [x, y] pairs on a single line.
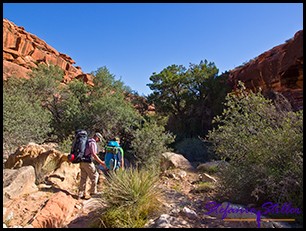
{"points": [[112, 155]]}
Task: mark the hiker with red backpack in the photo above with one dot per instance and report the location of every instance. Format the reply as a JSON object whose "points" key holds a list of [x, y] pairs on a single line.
{"points": [[84, 151]]}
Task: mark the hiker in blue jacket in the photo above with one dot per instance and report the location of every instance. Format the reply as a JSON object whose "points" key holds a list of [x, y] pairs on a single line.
{"points": [[114, 156]]}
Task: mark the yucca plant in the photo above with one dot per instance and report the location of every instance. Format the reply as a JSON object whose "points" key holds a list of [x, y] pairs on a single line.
{"points": [[132, 197]]}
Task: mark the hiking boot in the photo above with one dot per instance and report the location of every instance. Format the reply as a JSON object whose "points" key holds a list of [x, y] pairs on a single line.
{"points": [[95, 195], [83, 197]]}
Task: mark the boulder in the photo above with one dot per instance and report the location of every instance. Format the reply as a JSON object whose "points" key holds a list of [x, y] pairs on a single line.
{"points": [[191, 214], [20, 211], [35, 155], [17, 182], [56, 213], [174, 160], [66, 177], [48, 163]]}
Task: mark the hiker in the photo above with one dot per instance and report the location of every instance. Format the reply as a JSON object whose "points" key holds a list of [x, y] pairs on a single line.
{"points": [[113, 157], [88, 169]]}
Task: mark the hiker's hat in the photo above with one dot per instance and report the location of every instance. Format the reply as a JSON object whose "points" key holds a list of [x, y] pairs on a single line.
{"points": [[117, 139], [97, 134]]}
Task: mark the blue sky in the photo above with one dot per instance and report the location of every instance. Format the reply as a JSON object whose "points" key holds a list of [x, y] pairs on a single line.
{"points": [[133, 40]]}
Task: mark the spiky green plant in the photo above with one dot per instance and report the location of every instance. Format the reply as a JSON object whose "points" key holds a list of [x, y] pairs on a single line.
{"points": [[132, 197]]}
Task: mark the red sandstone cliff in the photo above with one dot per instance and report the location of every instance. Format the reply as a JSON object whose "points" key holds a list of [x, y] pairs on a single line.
{"points": [[279, 69], [23, 51]]}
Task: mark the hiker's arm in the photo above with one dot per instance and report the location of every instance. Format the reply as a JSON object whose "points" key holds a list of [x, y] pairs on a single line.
{"points": [[93, 150], [95, 156]]}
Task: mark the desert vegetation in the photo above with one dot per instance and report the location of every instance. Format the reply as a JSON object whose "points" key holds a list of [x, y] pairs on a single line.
{"points": [[132, 198], [263, 144]]}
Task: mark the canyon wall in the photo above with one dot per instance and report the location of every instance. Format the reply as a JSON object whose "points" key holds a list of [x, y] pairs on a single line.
{"points": [[23, 51], [279, 69]]}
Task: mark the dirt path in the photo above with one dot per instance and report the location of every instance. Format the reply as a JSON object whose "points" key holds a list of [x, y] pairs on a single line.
{"points": [[179, 193]]}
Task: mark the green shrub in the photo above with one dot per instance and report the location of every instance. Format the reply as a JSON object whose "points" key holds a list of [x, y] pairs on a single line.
{"points": [[112, 114], [264, 146], [44, 82], [40, 108], [149, 143], [67, 117], [132, 198], [102, 108], [24, 118], [65, 145], [28, 106]]}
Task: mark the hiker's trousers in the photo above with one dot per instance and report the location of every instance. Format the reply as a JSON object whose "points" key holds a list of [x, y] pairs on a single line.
{"points": [[88, 170]]}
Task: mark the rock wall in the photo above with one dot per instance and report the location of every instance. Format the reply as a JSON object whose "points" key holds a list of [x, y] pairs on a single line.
{"points": [[277, 70], [23, 51]]}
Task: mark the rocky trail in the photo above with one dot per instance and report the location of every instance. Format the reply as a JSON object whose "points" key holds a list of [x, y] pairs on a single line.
{"points": [[54, 203]]}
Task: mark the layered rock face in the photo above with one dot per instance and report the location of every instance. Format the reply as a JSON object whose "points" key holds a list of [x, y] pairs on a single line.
{"points": [[23, 51], [277, 70]]}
